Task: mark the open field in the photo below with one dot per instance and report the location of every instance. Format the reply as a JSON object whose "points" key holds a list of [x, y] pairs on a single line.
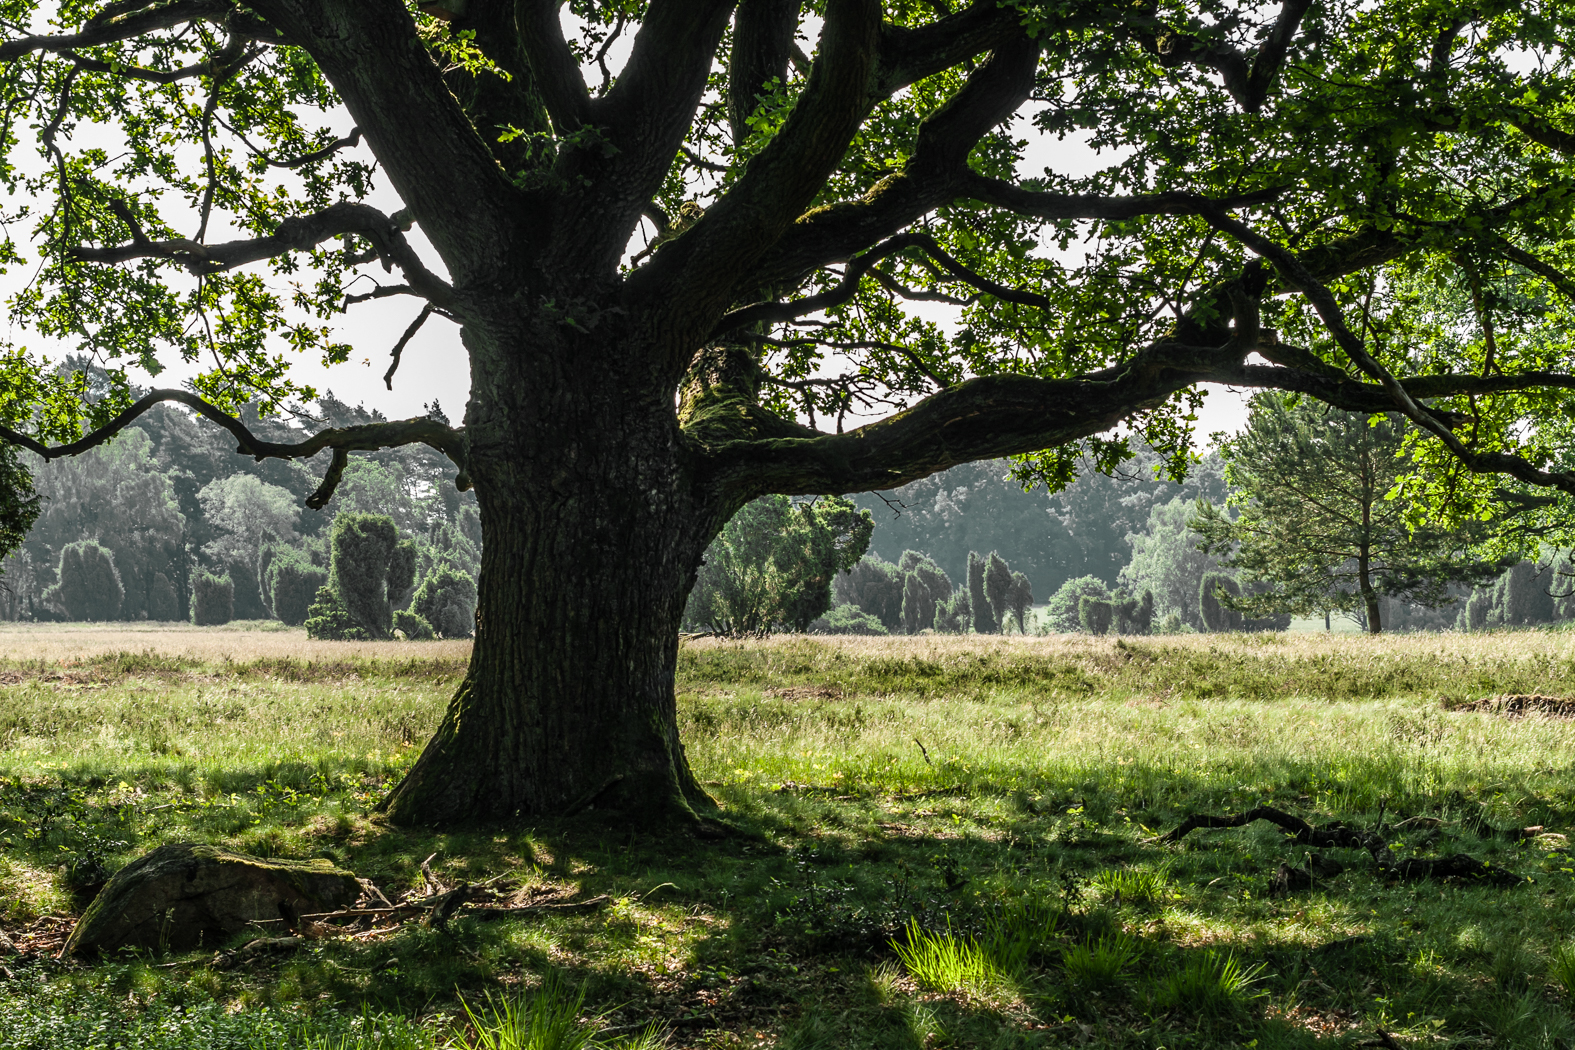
{"points": [[939, 842]]}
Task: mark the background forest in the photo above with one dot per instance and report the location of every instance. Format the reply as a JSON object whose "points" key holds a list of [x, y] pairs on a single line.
{"points": [[167, 523]]}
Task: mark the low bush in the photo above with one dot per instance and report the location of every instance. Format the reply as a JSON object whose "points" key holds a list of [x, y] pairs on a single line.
{"points": [[413, 626]]}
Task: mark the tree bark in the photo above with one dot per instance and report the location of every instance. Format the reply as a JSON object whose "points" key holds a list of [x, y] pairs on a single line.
{"points": [[1369, 596], [595, 526]]}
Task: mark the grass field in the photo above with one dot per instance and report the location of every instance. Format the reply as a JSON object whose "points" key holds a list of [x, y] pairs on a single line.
{"points": [[942, 842]]}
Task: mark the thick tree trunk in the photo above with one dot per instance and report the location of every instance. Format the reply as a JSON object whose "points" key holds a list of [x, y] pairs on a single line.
{"points": [[593, 532]]}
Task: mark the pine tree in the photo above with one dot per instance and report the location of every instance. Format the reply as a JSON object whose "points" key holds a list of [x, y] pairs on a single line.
{"points": [[1316, 522]]}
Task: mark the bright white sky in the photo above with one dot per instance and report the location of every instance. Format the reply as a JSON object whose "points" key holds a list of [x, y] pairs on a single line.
{"points": [[434, 366]]}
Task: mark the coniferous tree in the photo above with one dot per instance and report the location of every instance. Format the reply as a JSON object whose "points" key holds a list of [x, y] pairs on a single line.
{"points": [[1019, 599], [212, 599], [446, 600], [1064, 611], [998, 588], [88, 585], [773, 565], [984, 621], [875, 587], [363, 550], [1214, 610], [1135, 615], [292, 583], [1316, 522], [1096, 614]]}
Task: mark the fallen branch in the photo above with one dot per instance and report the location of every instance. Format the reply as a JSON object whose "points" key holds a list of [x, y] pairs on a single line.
{"points": [[564, 908], [1338, 836]]}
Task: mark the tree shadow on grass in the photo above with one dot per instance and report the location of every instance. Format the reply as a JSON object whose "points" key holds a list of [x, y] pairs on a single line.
{"points": [[787, 929]]}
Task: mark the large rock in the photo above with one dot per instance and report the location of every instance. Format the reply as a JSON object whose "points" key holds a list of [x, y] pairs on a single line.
{"points": [[187, 896]]}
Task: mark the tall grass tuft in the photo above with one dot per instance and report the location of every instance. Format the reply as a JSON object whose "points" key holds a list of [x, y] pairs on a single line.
{"points": [[1561, 968], [1132, 885], [1208, 983], [548, 1019], [1099, 963], [945, 962]]}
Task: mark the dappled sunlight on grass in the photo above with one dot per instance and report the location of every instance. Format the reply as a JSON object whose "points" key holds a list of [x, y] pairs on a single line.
{"points": [[885, 793]]}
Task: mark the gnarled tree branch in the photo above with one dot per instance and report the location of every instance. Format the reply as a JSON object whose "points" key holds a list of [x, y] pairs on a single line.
{"points": [[365, 438], [1293, 271], [300, 233]]}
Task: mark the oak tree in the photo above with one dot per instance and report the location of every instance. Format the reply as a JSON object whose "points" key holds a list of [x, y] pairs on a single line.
{"points": [[802, 173]]}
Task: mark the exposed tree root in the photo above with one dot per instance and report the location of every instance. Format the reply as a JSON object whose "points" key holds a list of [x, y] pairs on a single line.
{"points": [[1338, 836]]}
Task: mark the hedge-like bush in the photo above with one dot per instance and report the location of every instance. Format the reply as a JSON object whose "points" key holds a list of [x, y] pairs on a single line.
{"points": [[446, 599], [291, 583], [327, 618], [212, 599], [362, 549], [88, 585], [413, 626]]}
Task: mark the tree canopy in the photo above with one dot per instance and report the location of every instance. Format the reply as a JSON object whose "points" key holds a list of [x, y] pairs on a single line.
{"points": [[1319, 523], [682, 278]]}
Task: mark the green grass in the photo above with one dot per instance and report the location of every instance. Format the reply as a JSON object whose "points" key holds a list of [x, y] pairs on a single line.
{"points": [[1000, 886]]}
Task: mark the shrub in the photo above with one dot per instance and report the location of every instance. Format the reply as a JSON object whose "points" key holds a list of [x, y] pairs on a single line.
{"points": [[1135, 615], [1217, 616], [954, 616], [212, 599], [291, 582], [446, 599], [412, 626], [402, 573], [163, 603], [875, 586], [1064, 611], [1096, 614], [88, 585], [1019, 599], [847, 619], [983, 619], [363, 547], [328, 619], [925, 586]]}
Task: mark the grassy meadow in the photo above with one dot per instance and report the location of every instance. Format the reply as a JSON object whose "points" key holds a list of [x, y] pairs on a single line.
{"points": [[938, 842]]}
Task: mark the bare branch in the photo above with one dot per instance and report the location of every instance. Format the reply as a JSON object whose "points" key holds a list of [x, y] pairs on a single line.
{"points": [[368, 437], [404, 340], [300, 233]]}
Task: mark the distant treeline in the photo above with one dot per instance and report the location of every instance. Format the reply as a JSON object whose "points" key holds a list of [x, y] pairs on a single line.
{"points": [[167, 522], [1097, 550]]}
